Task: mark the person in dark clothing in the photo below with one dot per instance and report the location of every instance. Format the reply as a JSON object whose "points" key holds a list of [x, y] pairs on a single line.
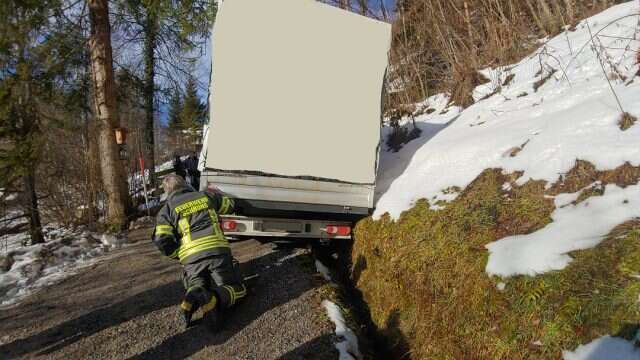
{"points": [[178, 167], [187, 229], [193, 174]]}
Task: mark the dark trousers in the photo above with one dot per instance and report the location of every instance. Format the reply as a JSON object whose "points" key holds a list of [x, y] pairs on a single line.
{"points": [[217, 274]]}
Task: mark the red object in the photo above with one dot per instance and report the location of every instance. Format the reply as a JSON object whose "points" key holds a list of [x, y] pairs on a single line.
{"points": [[142, 166], [229, 225], [340, 230]]}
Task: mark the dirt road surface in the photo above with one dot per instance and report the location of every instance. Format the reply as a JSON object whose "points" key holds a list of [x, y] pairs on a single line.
{"points": [[125, 307]]}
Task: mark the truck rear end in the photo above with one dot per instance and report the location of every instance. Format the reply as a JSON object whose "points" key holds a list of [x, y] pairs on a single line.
{"points": [[295, 118]]}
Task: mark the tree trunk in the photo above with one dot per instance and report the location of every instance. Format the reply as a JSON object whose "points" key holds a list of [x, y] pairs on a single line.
{"points": [[148, 91], [31, 206], [106, 113], [27, 132], [364, 7]]}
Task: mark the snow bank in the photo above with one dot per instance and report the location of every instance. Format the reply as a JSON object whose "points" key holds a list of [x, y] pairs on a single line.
{"points": [[554, 125], [574, 227], [604, 348], [347, 344], [26, 269]]}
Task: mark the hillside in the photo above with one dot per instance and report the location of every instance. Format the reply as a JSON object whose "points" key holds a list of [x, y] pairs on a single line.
{"points": [[509, 229]]}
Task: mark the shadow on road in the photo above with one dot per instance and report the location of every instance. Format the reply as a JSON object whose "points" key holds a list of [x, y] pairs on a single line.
{"points": [[86, 325], [278, 283], [314, 349]]}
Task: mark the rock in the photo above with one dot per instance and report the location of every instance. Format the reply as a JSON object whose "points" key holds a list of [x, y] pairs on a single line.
{"points": [[6, 261]]}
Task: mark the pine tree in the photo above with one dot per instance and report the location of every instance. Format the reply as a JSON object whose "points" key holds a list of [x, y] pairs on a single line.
{"points": [[175, 109], [170, 29], [26, 82], [193, 110]]}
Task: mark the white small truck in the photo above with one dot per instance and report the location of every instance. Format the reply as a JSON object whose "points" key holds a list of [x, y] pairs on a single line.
{"points": [[294, 131]]}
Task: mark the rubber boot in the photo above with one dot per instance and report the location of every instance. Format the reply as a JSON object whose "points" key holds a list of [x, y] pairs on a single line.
{"points": [[187, 310], [193, 299]]}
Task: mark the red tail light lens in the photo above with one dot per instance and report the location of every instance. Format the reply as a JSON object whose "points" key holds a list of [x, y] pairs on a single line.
{"points": [[229, 225], [340, 230]]}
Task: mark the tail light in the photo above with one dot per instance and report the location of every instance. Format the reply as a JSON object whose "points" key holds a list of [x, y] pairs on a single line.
{"points": [[340, 230], [228, 225]]}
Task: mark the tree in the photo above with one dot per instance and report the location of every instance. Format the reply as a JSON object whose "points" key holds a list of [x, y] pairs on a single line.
{"points": [[26, 81], [175, 109], [106, 112], [193, 114], [169, 30]]}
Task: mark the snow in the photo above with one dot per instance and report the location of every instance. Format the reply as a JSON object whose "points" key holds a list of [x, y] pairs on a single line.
{"points": [[562, 200], [347, 345], [31, 268], [560, 122], [540, 130], [604, 348], [323, 270], [394, 164], [574, 227]]}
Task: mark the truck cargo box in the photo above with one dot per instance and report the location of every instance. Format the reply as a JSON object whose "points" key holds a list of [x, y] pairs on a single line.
{"points": [[295, 105]]}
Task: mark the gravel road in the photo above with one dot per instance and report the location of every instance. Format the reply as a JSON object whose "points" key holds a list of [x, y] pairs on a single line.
{"points": [[125, 307]]}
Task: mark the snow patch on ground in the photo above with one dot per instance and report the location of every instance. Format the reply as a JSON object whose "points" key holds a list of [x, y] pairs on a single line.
{"points": [[347, 344], [394, 164], [552, 125], [604, 348], [323, 270], [574, 227], [26, 269]]}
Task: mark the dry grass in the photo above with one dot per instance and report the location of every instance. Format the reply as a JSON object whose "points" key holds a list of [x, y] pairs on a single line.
{"points": [[584, 174], [543, 80], [626, 121], [439, 45], [424, 281]]}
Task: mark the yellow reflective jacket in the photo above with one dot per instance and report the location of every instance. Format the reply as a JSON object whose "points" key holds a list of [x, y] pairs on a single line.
{"points": [[188, 228]]}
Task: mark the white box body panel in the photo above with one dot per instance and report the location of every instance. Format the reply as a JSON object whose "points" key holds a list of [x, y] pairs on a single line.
{"points": [[296, 92]]}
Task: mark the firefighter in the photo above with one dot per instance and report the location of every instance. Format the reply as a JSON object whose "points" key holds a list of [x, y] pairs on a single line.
{"points": [[187, 229]]}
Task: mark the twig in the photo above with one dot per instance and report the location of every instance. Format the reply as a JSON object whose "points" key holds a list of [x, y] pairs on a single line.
{"points": [[602, 66], [597, 32], [546, 52]]}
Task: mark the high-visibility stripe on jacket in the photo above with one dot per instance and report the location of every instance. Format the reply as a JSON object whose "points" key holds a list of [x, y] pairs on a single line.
{"points": [[187, 226]]}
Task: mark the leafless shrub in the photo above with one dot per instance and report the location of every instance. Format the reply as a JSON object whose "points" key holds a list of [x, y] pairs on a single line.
{"points": [[439, 45]]}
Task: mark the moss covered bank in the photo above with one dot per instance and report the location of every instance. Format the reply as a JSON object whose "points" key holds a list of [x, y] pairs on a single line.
{"points": [[423, 276]]}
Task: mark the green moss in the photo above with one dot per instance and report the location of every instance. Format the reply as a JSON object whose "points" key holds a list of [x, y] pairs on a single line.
{"points": [[595, 190], [428, 293]]}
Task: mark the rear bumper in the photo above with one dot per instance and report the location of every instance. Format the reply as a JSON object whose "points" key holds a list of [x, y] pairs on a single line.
{"points": [[285, 228]]}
